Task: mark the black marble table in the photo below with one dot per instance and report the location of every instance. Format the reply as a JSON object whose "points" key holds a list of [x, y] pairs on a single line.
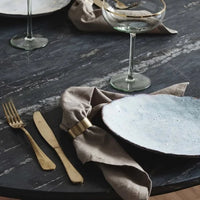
{"points": [[35, 80]]}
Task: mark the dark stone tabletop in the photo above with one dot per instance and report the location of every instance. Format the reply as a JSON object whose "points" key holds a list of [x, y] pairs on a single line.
{"points": [[35, 81]]}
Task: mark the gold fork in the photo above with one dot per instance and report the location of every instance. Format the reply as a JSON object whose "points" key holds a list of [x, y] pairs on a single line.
{"points": [[121, 5], [15, 121]]}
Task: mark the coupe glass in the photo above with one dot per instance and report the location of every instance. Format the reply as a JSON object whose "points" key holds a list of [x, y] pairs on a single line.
{"points": [[28, 41], [133, 16]]}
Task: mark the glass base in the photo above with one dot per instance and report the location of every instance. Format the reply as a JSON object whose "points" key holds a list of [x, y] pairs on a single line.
{"points": [[140, 82], [22, 42]]}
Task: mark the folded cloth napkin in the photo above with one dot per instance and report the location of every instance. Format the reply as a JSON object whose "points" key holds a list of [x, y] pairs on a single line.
{"points": [[88, 17], [93, 143]]}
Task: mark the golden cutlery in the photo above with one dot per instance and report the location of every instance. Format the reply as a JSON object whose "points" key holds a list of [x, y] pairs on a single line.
{"points": [[15, 121], [119, 4], [98, 3], [49, 136]]}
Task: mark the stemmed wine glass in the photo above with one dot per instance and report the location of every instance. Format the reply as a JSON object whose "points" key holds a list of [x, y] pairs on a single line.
{"points": [[29, 41], [133, 16]]}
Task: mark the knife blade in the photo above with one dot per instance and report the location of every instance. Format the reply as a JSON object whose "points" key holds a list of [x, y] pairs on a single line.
{"points": [[50, 138]]}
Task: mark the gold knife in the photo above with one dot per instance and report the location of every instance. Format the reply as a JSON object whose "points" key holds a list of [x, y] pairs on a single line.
{"points": [[49, 136]]}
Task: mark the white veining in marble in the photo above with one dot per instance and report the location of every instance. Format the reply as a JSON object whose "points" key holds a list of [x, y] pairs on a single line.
{"points": [[43, 185], [27, 160], [191, 4], [11, 148], [183, 46], [91, 53], [49, 102], [7, 171]]}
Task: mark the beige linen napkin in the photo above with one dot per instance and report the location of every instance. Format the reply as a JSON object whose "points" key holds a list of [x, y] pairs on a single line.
{"points": [[87, 17], [96, 144]]}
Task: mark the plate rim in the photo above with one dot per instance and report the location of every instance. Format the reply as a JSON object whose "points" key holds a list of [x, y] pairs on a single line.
{"points": [[143, 147], [34, 14]]}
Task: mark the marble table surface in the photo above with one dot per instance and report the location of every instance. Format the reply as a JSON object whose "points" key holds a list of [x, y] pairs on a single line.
{"points": [[35, 81]]}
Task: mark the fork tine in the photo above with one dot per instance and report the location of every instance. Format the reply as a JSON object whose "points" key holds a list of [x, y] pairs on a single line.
{"points": [[7, 113], [14, 111]]}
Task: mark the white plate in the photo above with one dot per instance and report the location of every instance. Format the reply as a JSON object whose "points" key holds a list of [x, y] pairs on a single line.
{"points": [[39, 7], [161, 123]]}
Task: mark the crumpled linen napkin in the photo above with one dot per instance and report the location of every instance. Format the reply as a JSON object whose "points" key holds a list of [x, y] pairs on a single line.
{"points": [[87, 17], [120, 170]]}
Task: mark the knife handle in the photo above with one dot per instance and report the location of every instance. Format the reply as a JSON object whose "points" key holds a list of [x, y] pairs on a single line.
{"points": [[73, 174], [45, 162]]}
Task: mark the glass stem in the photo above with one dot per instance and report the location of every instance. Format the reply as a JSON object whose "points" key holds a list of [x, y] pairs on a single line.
{"points": [[29, 20], [131, 57]]}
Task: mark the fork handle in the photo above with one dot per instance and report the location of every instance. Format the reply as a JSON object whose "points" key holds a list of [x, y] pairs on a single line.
{"points": [[73, 174], [45, 162]]}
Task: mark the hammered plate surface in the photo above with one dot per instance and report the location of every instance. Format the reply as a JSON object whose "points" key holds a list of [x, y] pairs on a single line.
{"points": [[39, 7], [161, 123]]}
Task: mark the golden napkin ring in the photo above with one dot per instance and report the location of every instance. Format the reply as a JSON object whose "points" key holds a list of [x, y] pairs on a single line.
{"points": [[80, 127]]}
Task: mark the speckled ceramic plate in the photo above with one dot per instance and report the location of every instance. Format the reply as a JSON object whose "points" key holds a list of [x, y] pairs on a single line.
{"points": [[39, 7], [161, 123]]}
